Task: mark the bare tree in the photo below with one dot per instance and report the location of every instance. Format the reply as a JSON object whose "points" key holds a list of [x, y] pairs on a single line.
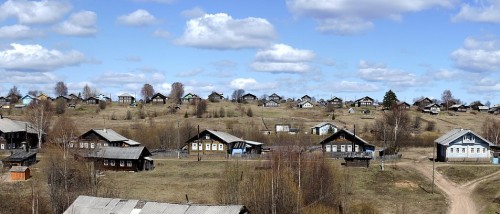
{"points": [[88, 92], [393, 128], [491, 130], [61, 89], [447, 98], [34, 92], [237, 95], [39, 114], [14, 94], [147, 92], [177, 91]]}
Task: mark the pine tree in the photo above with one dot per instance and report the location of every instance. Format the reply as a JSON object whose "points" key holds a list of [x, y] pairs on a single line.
{"points": [[390, 99]]}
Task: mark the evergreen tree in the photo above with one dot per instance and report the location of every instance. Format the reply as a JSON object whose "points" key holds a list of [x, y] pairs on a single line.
{"points": [[390, 99]]}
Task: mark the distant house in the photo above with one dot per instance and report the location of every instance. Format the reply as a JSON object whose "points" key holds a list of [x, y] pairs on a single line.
{"points": [[103, 97], [249, 98], [159, 98], [306, 98], [74, 98], [462, 144], [90, 204], [275, 97], [28, 99], [20, 158], [403, 105], [271, 103], [340, 144], [43, 96], [365, 101], [12, 97], [322, 102], [432, 108], [19, 173], [63, 99], [120, 158], [494, 110], [483, 108], [97, 138], [91, 101], [336, 102], [282, 128], [305, 104], [458, 108], [126, 99], [188, 98], [210, 142], [323, 129], [215, 97], [3, 101], [14, 132], [421, 103]]}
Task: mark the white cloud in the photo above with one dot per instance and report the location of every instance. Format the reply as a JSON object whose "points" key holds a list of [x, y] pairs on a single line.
{"points": [[159, 33], [82, 23], [353, 86], [445, 74], [483, 11], [193, 13], [34, 12], [136, 77], [478, 55], [190, 73], [137, 18], [131, 58], [28, 78], [221, 31], [281, 58], [250, 84], [18, 32], [37, 58], [353, 16], [392, 77], [485, 85]]}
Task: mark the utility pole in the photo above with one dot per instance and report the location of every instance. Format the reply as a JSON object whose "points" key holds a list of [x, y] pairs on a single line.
{"points": [[199, 143], [433, 165], [178, 140]]}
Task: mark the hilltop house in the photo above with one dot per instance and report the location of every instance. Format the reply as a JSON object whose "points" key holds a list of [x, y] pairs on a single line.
{"points": [[91, 101], [28, 99], [43, 96], [158, 98], [340, 144], [458, 107], [249, 98], [104, 98], [96, 138], [432, 108], [188, 98], [462, 144], [136, 158], [126, 99], [215, 97], [323, 129], [275, 97], [335, 102], [14, 132], [21, 157], [271, 103], [210, 142], [306, 98], [305, 104], [421, 103], [365, 101]]}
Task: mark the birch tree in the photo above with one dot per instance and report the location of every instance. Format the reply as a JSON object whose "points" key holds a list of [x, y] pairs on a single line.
{"points": [[39, 114]]}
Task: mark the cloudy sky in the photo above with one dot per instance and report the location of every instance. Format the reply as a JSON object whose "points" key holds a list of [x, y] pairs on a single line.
{"points": [[323, 48]]}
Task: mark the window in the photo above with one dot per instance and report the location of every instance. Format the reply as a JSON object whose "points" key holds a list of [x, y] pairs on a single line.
{"points": [[221, 146], [195, 146], [463, 150], [86, 145], [92, 145], [484, 150], [129, 163], [451, 150], [349, 148], [214, 147], [334, 148], [112, 162], [478, 150], [81, 145], [2, 146], [207, 146], [207, 137], [356, 148], [328, 148], [105, 162], [105, 144], [122, 163], [200, 146], [71, 145], [342, 148], [471, 150]]}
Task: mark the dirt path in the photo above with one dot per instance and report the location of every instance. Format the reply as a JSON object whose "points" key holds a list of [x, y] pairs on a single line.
{"points": [[459, 196]]}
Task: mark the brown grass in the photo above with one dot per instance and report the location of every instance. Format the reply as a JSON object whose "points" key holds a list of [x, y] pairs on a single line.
{"points": [[462, 174]]}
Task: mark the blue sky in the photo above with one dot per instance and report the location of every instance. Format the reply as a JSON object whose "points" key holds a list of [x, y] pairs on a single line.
{"points": [[323, 48]]}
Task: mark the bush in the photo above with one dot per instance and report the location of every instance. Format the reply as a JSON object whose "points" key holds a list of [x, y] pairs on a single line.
{"points": [[60, 106], [141, 114], [222, 112], [128, 116], [102, 105], [113, 116], [431, 126], [249, 112]]}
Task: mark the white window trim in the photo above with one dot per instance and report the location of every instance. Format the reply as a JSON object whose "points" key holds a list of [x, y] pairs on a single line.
{"points": [[214, 147], [112, 162], [122, 163], [207, 146], [221, 147], [129, 163], [194, 146], [106, 162]]}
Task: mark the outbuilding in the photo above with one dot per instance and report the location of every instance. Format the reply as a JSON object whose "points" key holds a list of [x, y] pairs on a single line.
{"points": [[19, 173]]}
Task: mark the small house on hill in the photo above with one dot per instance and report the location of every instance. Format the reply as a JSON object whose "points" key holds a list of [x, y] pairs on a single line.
{"points": [[28, 99], [421, 103], [14, 132], [96, 138], [89, 204], [323, 128], [215, 97], [402, 105], [305, 104], [19, 173], [335, 102], [432, 108], [120, 158], [20, 158], [365, 101], [458, 108], [249, 97], [462, 144], [126, 99], [344, 143], [158, 98], [188, 98], [306, 98], [210, 142], [275, 97], [271, 103], [91, 101]]}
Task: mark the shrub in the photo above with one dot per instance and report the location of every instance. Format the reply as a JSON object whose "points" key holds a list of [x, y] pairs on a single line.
{"points": [[102, 105], [222, 112], [113, 116], [60, 106], [141, 114], [249, 112], [128, 116], [431, 126]]}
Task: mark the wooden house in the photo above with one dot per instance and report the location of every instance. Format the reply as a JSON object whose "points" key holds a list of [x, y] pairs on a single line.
{"points": [[74, 98], [306, 98], [282, 128], [403, 105], [365, 101], [20, 158], [28, 99], [344, 143], [90, 204], [97, 138], [483, 108], [210, 142], [159, 98], [19, 173], [63, 98], [188, 98], [126, 99], [91, 101], [271, 103], [305, 104], [215, 97], [120, 158], [335, 102], [14, 132], [494, 110], [3, 101], [461, 145], [249, 98], [323, 128], [43, 96], [421, 103], [275, 97], [13, 98], [432, 108], [458, 108], [104, 98]]}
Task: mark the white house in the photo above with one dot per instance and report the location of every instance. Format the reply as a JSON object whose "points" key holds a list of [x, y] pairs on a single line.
{"points": [[305, 104], [323, 129], [462, 144]]}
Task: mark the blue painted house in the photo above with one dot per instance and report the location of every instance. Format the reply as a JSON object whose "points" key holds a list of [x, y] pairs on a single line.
{"points": [[323, 129], [462, 144], [26, 100]]}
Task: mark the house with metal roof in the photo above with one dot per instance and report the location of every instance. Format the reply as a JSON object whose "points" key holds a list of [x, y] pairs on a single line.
{"points": [[126, 99], [305, 104], [323, 128], [210, 142], [120, 158], [14, 132], [344, 143], [20, 158], [91, 205], [96, 138], [462, 144]]}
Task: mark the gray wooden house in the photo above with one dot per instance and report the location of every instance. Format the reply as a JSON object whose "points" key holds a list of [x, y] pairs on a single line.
{"points": [[344, 143], [461, 145]]}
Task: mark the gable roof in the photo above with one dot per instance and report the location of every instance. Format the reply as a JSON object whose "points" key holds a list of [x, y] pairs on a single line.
{"points": [[344, 131], [432, 104], [319, 125], [110, 152], [125, 95], [223, 136], [7, 126], [90, 205], [18, 169], [108, 134], [306, 96], [304, 102], [249, 94], [365, 98], [159, 95], [20, 155], [334, 98], [454, 134], [216, 94]]}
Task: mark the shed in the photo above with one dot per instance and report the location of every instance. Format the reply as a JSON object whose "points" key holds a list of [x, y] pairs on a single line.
{"points": [[20, 158], [19, 173]]}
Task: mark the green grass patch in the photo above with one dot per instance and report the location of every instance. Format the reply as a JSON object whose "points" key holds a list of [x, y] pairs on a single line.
{"points": [[463, 174]]}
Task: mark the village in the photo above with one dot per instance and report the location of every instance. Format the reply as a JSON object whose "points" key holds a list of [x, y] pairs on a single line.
{"points": [[191, 154]]}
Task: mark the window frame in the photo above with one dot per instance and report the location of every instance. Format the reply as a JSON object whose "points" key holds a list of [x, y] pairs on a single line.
{"points": [[106, 162], [112, 162], [122, 163], [129, 163]]}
